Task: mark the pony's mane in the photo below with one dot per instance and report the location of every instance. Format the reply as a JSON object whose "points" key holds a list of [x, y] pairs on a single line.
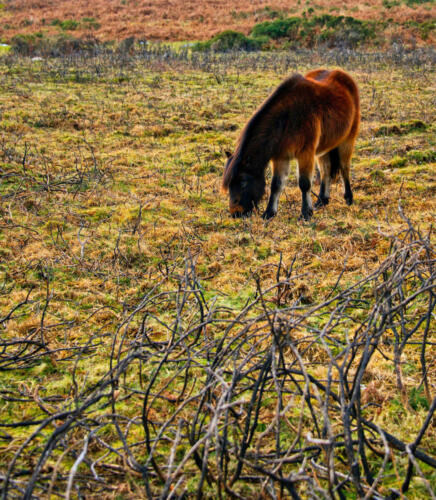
{"points": [[252, 126]]}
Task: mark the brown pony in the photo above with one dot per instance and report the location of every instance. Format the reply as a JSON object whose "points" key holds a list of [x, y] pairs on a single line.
{"points": [[312, 118]]}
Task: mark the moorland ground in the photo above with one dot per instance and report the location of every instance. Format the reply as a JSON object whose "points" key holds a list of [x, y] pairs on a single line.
{"points": [[109, 20], [110, 194]]}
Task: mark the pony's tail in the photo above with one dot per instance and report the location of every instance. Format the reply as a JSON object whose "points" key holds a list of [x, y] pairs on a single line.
{"points": [[335, 163]]}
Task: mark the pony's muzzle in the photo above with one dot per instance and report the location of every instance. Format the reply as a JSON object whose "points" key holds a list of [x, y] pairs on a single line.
{"points": [[241, 212], [236, 210]]}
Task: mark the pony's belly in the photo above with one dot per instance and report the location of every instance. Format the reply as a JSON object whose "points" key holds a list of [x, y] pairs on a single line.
{"points": [[324, 151]]}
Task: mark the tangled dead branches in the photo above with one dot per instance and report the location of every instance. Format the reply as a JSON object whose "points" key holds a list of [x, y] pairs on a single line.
{"points": [[276, 400]]}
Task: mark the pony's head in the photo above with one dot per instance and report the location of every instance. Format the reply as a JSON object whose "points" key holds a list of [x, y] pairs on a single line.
{"points": [[245, 190]]}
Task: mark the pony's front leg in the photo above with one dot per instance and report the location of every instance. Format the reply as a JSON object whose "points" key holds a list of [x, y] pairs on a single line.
{"points": [[280, 172], [306, 166]]}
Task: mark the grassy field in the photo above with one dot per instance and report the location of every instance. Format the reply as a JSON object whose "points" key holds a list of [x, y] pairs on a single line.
{"points": [[117, 255]]}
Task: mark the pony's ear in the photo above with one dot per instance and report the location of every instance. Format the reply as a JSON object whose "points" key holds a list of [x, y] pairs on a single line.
{"points": [[228, 153]]}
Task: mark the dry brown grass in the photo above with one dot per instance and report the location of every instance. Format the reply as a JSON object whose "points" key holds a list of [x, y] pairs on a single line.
{"points": [[185, 19]]}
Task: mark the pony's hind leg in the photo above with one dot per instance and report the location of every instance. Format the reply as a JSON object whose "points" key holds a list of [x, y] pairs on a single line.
{"points": [[345, 153], [324, 190], [280, 172], [306, 167]]}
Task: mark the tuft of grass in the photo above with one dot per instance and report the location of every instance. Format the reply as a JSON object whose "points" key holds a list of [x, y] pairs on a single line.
{"points": [[66, 24], [417, 399], [402, 128], [231, 40]]}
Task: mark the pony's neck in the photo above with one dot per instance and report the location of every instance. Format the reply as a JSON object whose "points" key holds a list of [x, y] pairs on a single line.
{"points": [[254, 153], [263, 135]]}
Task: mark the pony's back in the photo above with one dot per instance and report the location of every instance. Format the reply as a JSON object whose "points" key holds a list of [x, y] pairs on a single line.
{"points": [[338, 80]]}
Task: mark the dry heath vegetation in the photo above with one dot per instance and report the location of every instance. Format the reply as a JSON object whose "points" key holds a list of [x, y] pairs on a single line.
{"points": [[192, 20], [152, 346]]}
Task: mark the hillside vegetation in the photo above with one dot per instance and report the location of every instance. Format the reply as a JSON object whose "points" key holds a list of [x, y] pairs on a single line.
{"points": [[411, 21], [152, 346]]}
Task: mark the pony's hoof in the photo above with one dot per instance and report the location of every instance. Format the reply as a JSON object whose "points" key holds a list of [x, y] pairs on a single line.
{"points": [[321, 202], [349, 200], [268, 214], [306, 216]]}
